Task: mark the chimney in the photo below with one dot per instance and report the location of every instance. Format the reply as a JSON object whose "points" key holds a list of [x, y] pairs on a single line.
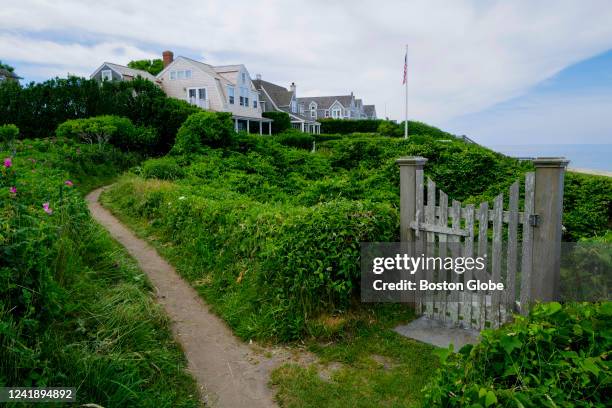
{"points": [[168, 57], [292, 87], [258, 76]]}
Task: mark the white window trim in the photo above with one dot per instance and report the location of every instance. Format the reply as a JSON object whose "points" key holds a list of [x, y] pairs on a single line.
{"points": [[105, 72]]}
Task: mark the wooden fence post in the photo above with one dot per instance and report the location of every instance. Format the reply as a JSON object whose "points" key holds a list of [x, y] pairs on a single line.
{"points": [[408, 189], [409, 166], [545, 275]]}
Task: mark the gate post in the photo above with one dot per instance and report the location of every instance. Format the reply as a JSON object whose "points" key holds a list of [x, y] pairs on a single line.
{"points": [[408, 191], [548, 203], [408, 188]]}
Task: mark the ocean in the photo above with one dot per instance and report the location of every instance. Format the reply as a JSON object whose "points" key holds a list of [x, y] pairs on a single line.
{"points": [[581, 156]]}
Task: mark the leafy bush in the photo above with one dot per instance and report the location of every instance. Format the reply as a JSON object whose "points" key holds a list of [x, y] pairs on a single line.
{"points": [[8, 133], [115, 130], [295, 138], [38, 108], [214, 129], [557, 356], [587, 205], [391, 129], [165, 168], [281, 121]]}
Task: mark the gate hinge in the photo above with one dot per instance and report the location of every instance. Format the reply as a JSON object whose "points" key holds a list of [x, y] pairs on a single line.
{"points": [[534, 220]]}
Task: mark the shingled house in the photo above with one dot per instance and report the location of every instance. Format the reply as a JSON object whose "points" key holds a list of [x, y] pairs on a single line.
{"points": [[335, 107], [275, 98], [115, 72]]}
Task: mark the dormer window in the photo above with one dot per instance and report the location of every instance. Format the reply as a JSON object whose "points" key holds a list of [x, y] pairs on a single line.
{"points": [[313, 110]]}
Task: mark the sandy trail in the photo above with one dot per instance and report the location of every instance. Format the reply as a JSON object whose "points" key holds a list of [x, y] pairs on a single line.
{"points": [[231, 373]]}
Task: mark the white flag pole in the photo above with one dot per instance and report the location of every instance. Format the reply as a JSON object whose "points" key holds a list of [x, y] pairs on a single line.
{"points": [[406, 83]]}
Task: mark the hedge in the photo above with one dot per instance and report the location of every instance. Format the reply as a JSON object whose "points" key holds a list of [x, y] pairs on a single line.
{"points": [[281, 121], [384, 127], [38, 108]]}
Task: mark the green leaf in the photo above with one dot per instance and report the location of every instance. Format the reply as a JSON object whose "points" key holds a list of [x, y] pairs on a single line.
{"points": [[510, 343], [490, 399]]}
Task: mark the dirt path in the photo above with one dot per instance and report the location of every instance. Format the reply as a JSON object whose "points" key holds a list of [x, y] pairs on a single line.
{"points": [[231, 373]]}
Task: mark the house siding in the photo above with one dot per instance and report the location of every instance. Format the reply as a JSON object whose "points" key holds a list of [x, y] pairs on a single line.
{"points": [[177, 88], [116, 76]]}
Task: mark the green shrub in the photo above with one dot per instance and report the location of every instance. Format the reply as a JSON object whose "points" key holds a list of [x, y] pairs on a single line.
{"points": [[214, 129], [115, 130], [295, 138], [391, 129], [557, 356], [346, 126], [165, 168], [587, 205], [8, 133], [281, 123]]}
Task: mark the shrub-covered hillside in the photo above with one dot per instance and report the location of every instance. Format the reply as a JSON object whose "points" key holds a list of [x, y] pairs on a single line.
{"points": [[270, 234]]}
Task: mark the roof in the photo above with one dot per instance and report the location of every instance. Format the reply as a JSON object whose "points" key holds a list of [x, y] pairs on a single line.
{"points": [[369, 110], [227, 68], [325, 102], [279, 95], [123, 70], [298, 116]]}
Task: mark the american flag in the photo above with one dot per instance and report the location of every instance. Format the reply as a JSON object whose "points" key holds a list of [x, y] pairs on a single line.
{"points": [[405, 69]]}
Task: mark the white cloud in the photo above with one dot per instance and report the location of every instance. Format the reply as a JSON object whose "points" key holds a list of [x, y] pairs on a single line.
{"points": [[464, 55]]}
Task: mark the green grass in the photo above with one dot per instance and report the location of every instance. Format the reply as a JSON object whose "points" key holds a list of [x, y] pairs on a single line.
{"points": [[75, 310], [369, 365]]}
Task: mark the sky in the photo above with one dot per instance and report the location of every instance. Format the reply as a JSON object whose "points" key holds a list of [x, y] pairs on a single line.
{"points": [[500, 72]]}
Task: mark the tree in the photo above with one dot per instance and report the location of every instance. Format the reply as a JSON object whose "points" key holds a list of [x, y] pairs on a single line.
{"points": [[7, 67], [153, 67]]}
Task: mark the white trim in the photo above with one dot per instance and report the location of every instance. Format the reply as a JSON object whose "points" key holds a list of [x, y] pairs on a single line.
{"points": [[108, 73], [107, 66]]}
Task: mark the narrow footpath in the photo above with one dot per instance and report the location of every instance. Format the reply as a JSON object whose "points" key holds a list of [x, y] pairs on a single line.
{"points": [[231, 373]]}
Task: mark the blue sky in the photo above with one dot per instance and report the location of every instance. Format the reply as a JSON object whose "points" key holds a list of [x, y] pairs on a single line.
{"points": [[501, 72], [571, 107]]}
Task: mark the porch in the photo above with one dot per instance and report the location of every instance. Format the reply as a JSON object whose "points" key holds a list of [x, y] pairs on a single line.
{"points": [[252, 125], [306, 127]]}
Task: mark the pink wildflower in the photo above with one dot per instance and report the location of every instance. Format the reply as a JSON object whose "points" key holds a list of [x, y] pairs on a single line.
{"points": [[13, 190], [68, 183], [7, 162], [47, 209]]}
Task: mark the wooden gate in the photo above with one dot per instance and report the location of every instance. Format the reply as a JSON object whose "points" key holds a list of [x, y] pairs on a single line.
{"points": [[528, 267]]}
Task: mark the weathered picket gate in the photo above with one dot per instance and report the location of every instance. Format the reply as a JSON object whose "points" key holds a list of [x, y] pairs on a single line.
{"points": [[528, 266]]}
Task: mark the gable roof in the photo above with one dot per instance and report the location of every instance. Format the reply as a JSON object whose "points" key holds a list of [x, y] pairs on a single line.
{"points": [[127, 71], [325, 102], [280, 96]]}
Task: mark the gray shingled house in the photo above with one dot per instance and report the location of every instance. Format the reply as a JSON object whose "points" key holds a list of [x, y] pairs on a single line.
{"points": [[275, 98], [116, 72], [336, 107]]}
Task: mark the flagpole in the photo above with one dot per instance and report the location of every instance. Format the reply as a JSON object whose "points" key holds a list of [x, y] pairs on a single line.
{"points": [[406, 83]]}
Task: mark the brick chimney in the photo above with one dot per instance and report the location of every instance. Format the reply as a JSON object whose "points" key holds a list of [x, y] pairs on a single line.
{"points": [[292, 87], [168, 57]]}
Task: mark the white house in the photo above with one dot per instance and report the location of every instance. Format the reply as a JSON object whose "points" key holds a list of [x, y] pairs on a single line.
{"points": [[336, 107], [224, 89]]}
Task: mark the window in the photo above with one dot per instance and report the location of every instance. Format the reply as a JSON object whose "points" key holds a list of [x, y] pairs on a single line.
{"points": [[326, 113], [255, 101], [243, 77], [313, 113], [244, 97], [107, 75], [336, 113], [230, 94], [198, 97], [263, 106], [184, 74], [293, 106]]}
